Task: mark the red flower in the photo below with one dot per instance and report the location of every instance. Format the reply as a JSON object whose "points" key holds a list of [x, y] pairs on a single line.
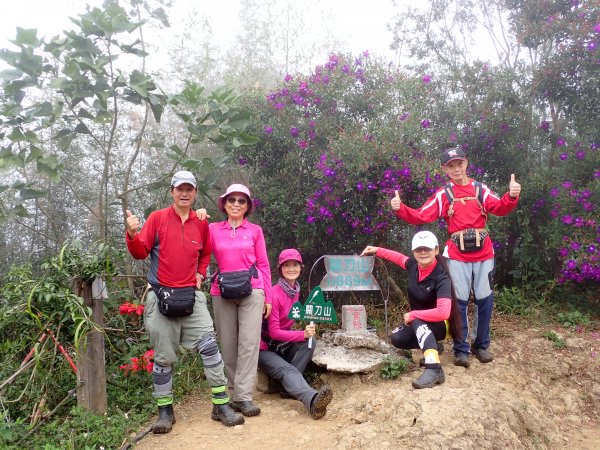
{"points": [[128, 308], [144, 362]]}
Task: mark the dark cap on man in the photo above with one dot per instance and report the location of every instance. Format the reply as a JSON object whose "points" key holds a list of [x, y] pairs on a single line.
{"points": [[450, 154], [183, 177]]}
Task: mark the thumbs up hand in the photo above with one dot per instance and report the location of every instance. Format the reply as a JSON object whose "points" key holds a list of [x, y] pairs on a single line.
{"points": [[133, 224], [396, 202], [514, 188]]}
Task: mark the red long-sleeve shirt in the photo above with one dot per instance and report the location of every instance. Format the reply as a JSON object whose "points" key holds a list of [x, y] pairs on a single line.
{"points": [[467, 215], [178, 250]]}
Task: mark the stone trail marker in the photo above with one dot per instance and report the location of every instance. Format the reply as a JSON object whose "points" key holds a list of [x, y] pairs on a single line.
{"points": [[354, 318]]}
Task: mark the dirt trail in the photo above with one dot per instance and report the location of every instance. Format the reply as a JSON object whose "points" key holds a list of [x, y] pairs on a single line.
{"points": [[532, 396]]}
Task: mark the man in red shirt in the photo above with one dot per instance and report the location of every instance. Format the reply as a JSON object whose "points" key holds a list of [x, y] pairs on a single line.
{"points": [[179, 247], [469, 250]]}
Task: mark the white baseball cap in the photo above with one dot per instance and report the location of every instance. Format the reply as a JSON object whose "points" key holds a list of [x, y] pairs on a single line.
{"points": [[183, 177], [424, 239]]}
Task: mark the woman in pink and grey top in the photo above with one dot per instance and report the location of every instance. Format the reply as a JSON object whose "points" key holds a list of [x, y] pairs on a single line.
{"points": [[238, 245], [284, 353]]}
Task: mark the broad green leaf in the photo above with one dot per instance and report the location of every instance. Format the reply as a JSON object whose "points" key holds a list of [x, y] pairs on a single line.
{"points": [[157, 110], [157, 144], [49, 166], [43, 109], [65, 141], [20, 211], [62, 133], [84, 113], [132, 50], [59, 82], [34, 153], [10, 75], [26, 37], [160, 14], [176, 149], [19, 96], [16, 135], [3, 188], [28, 194], [82, 129], [103, 117]]}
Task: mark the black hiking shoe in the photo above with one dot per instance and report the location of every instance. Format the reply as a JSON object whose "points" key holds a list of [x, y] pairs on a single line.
{"points": [[318, 406], [246, 407], [430, 377], [440, 349], [224, 413], [462, 359], [274, 386], [483, 355], [165, 421], [284, 394]]}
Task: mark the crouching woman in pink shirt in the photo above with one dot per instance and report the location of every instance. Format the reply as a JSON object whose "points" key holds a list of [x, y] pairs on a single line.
{"points": [[284, 353], [239, 245]]}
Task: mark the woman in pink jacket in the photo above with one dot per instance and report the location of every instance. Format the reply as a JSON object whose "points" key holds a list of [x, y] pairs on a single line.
{"points": [[239, 245], [284, 353]]}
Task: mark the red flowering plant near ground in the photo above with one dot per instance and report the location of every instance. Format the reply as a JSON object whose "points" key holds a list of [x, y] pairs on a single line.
{"points": [[131, 309], [138, 364]]}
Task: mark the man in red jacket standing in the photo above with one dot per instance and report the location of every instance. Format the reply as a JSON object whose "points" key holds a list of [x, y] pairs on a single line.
{"points": [[176, 313], [465, 204]]}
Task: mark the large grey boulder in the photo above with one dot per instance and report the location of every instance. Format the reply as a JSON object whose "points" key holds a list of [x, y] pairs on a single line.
{"points": [[352, 352]]}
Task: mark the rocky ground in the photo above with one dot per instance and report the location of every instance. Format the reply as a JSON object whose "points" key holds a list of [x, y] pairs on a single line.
{"points": [[532, 396]]}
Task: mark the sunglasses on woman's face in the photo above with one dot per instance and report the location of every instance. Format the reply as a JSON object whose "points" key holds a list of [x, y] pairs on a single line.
{"points": [[240, 200]]}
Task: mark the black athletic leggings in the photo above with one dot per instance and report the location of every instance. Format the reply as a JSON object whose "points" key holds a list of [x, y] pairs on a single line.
{"points": [[419, 334]]}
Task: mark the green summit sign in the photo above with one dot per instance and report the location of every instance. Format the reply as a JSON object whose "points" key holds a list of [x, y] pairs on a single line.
{"points": [[316, 309]]}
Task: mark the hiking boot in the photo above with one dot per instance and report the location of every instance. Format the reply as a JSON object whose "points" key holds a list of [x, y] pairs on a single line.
{"points": [[483, 355], [440, 349], [224, 413], [246, 407], [274, 387], [430, 377], [462, 359], [318, 406], [284, 394], [165, 421]]}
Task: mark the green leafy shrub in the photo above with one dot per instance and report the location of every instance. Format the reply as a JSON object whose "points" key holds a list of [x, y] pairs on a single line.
{"points": [[557, 340], [573, 319], [512, 301], [392, 367]]}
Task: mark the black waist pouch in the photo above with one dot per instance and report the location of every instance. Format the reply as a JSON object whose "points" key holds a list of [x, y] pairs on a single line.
{"points": [[175, 302], [237, 284], [469, 240]]}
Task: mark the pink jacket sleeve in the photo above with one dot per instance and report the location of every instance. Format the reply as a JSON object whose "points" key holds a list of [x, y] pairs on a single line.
{"points": [[437, 314], [275, 331], [262, 263], [391, 255]]}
